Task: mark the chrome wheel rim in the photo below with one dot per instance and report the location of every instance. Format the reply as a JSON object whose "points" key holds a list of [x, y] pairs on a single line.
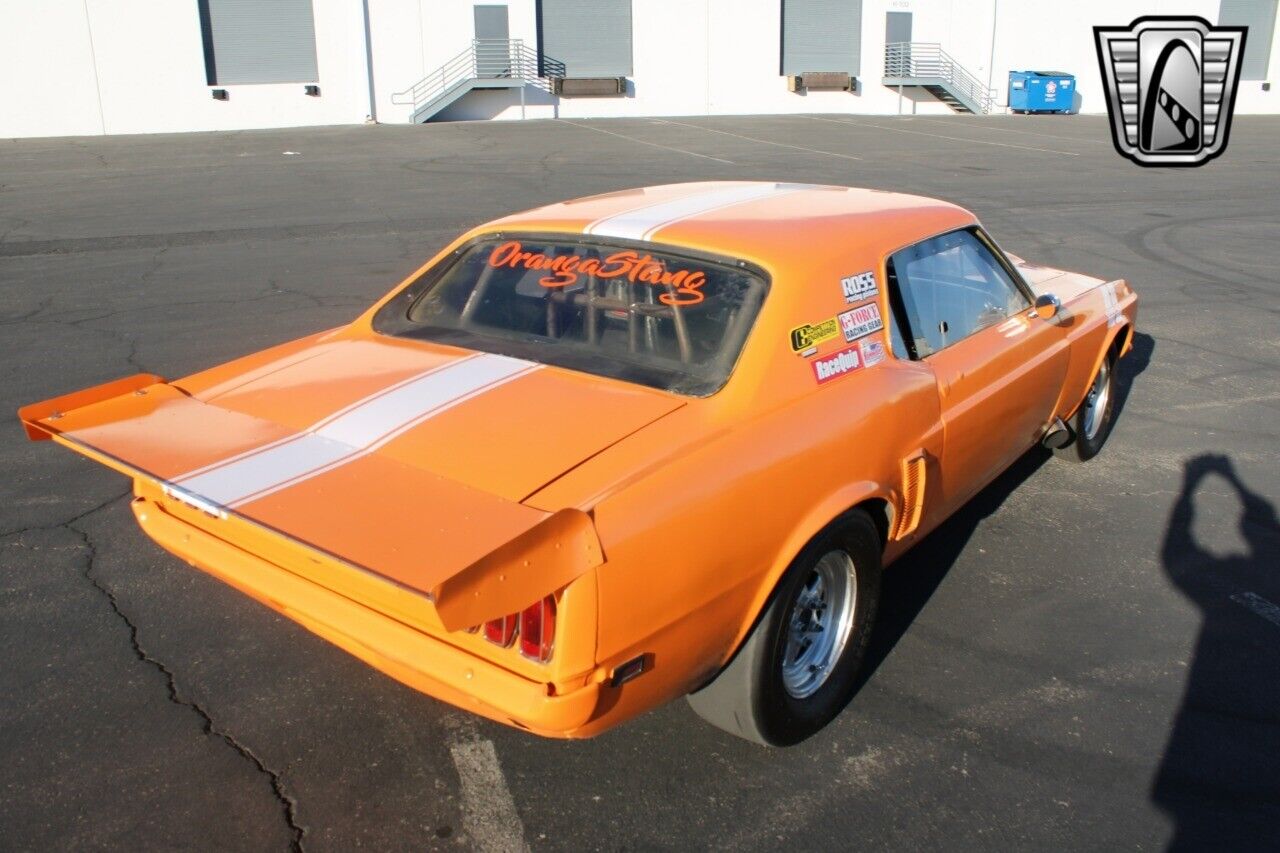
{"points": [[1095, 405], [818, 625]]}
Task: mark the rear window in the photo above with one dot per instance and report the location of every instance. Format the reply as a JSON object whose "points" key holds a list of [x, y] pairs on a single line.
{"points": [[668, 320]]}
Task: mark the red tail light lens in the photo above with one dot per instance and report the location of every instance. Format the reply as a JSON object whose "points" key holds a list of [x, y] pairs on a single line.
{"points": [[538, 629], [501, 631]]}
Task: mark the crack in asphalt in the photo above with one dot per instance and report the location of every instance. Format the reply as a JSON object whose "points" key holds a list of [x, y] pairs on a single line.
{"points": [[289, 806], [17, 531]]}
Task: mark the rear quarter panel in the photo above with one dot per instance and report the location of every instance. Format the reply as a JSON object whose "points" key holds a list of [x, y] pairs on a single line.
{"points": [[701, 513]]}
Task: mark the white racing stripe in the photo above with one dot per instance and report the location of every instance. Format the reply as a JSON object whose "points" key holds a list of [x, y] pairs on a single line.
{"points": [[643, 222], [352, 432], [254, 451]]}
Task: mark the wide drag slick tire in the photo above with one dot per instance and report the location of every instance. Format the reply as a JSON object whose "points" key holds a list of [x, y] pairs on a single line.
{"points": [[1092, 422], [799, 666]]}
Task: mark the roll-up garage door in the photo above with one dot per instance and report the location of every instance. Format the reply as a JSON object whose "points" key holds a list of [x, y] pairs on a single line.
{"points": [[591, 37], [258, 41], [1260, 17], [821, 35]]}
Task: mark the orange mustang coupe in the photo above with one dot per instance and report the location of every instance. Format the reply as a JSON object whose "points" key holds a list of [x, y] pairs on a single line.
{"points": [[610, 452]]}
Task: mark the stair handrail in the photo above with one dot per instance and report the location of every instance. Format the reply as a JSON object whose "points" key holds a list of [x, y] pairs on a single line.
{"points": [[483, 58], [915, 59]]}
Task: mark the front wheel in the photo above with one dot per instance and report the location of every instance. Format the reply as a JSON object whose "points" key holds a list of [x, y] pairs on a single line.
{"points": [[1092, 422], [798, 668]]}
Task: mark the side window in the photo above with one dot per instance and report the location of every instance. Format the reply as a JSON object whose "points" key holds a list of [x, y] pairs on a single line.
{"points": [[946, 288]]}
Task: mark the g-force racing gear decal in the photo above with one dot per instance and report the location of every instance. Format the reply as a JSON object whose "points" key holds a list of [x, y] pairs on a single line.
{"points": [[861, 321]]}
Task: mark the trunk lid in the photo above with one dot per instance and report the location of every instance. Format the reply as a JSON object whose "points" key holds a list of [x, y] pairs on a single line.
{"points": [[405, 460]]}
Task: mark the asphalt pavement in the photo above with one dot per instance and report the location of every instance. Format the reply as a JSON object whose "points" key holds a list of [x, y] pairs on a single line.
{"points": [[1086, 657]]}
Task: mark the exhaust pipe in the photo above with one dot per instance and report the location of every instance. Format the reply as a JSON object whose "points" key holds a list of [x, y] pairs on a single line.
{"points": [[1057, 436]]}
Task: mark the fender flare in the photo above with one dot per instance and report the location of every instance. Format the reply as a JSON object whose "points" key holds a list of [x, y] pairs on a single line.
{"points": [[821, 515], [1124, 327]]}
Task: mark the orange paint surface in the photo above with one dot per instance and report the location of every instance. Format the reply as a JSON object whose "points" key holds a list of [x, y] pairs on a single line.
{"points": [[389, 494]]}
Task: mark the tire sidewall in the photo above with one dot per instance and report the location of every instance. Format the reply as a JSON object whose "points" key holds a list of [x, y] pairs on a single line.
{"points": [[1088, 448], [783, 719]]}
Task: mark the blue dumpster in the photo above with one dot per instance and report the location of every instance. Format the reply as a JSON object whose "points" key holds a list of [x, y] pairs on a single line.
{"points": [[1041, 91]]}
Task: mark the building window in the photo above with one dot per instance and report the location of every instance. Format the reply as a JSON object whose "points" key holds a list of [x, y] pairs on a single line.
{"points": [[258, 41], [1260, 17], [821, 35], [591, 37]]}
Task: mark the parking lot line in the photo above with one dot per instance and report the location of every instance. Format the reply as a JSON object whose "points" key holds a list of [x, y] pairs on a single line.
{"points": [[755, 139], [988, 125], [488, 811], [943, 136], [1259, 605], [645, 141]]}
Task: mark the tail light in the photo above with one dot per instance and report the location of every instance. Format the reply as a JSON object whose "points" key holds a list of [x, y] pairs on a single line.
{"points": [[538, 629], [535, 625], [501, 631]]}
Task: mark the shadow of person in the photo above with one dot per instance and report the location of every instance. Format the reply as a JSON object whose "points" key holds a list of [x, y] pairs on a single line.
{"points": [[1220, 777]]}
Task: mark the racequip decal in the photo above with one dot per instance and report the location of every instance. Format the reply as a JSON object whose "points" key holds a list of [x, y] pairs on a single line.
{"points": [[859, 287], [838, 364], [808, 336], [684, 286], [872, 352], [861, 321]]}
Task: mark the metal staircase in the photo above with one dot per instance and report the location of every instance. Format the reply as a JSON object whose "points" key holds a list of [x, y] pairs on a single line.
{"points": [[927, 66], [486, 64]]}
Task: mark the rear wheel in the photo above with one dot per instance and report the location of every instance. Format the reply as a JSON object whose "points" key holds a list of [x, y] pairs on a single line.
{"points": [[1092, 422], [798, 668]]}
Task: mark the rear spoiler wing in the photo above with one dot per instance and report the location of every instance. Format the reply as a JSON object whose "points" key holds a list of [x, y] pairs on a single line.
{"points": [[35, 417], [539, 552]]}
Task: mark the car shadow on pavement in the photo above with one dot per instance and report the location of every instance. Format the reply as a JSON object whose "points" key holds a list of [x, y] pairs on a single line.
{"points": [[1138, 359], [909, 585], [1219, 780]]}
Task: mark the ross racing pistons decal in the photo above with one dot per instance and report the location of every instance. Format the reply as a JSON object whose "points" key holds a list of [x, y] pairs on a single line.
{"points": [[861, 321], [838, 364], [872, 352], [805, 339], [859, 287]]}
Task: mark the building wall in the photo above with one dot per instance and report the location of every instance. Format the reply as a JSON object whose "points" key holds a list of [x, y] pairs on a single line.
{"points": [[71, 67]]}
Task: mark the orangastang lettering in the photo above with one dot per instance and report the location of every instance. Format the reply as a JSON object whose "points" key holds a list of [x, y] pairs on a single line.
{"points": [[684, 287]]}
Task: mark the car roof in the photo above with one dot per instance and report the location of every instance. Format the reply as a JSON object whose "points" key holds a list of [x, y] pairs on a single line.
{"points": [[770, 223]]}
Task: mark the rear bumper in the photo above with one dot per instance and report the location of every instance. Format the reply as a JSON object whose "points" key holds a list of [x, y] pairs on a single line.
{"points": [[408, 655]]}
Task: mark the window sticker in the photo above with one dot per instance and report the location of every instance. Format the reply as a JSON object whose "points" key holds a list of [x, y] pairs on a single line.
{"points": [[861, 321], [684, 287], [805, 339], [859, 287], [837, 364], [872, 352]]}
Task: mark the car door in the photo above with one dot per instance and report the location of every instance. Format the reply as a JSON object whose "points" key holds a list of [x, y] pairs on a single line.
{"points": [[999, 368]]}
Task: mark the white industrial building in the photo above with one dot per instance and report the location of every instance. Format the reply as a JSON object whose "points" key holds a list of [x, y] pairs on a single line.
{"points": [[79, 67]]}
